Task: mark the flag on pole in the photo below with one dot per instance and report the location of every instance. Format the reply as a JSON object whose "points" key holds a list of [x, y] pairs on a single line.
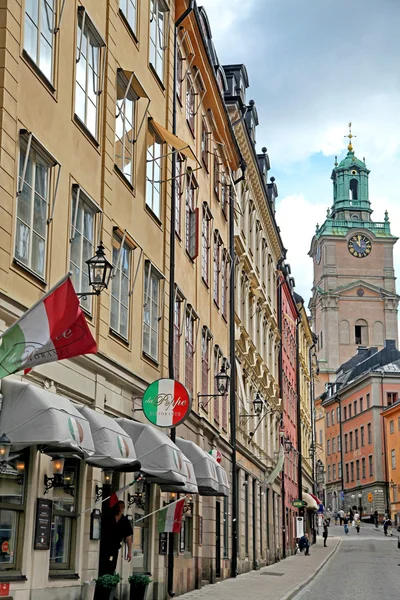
{"points": [[170, 517], [53, 329], [117, 496]]}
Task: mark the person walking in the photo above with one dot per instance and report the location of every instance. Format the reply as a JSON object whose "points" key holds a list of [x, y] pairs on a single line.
{"points": [[328, 515], [115, 528], [325, 532], [376, 519], [358, 524], [346, 524], [341, 516], [387, 526]]}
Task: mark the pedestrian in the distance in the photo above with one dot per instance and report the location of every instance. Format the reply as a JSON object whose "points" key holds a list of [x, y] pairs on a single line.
{"points": [[325, 532], [346, 524], [341, 516], [376, 519], [387, 526], [358, 525], [328, 516]]}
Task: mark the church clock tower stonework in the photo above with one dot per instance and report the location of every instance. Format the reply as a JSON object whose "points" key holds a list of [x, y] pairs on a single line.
{"points": [[354, 301]]}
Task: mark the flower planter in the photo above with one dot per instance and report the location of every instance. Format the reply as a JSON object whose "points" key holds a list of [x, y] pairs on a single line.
{"points": [[102, 593], [137, 592]]}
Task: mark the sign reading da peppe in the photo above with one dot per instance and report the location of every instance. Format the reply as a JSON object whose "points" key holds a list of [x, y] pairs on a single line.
{"points": [[166, 403]]}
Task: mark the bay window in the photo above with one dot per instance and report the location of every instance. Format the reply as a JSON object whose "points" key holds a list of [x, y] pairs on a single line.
{"points": [[83, 241], [152, 311], [120, 287], [90, 68], [39, 29]]}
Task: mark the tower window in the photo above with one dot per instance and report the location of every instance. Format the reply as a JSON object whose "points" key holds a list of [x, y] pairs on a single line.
{"points": [[353, 190], [361, 333]]}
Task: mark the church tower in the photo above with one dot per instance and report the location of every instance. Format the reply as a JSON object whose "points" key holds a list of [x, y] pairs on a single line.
{"points": [[354, 301]]}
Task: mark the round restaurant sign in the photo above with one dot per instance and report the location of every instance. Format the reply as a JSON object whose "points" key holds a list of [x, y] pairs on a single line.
{"points": [[216, 454], [166, 403]]}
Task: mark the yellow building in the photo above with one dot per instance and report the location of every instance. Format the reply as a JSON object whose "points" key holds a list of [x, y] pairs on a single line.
{"points": [[87, 155]]}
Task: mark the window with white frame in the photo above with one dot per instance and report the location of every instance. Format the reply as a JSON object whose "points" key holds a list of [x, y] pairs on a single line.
{"points": [[39, 25], [129, 10], [217, 267], [124, 127], [190, 103], [120, 287], [205, 243], [151, 310], [189, 350], [90, 67], [35, 167], [192, 216], [178, 193], [154, 173], [205, 358], [83, 242], [224, 283], [158, 36]]}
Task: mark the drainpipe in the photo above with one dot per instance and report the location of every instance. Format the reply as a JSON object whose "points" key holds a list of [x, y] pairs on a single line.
{"points": [[299, 454], [313, 434], [280, 365], [232, 389], [177, 24]]}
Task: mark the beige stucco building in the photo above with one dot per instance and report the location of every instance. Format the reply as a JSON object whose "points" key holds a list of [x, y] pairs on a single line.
{"points": [[86, 154]]}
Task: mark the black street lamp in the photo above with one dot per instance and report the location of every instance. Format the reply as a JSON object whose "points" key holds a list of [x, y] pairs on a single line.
{"points": [[100, 270], [222, 381], [258, 404]]}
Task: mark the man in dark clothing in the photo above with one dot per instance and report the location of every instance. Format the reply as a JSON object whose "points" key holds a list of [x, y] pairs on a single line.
{"points": [[346, 524], [115, 528], [325, 532], [376, 519], [304, 544]]}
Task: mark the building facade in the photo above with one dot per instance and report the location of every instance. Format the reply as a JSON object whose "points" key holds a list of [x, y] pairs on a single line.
{"points": [[354, 299], [391, 419], [258, 248]]}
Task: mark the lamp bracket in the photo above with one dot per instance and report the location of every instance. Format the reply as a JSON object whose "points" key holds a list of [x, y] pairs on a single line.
{"points": [[204, 404]]}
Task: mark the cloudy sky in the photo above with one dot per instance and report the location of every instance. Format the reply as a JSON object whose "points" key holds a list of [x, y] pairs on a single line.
{"points": [[313, 67]]}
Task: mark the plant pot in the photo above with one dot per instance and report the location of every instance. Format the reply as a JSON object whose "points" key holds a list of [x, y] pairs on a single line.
{"points": [[102, 593], [137, 592]]}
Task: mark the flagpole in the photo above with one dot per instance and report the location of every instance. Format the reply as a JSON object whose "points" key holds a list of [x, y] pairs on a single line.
{"points": [[162, 508], [58, 284], [108, 497]]}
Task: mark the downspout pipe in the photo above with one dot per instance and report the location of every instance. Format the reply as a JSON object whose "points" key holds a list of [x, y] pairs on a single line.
{"points": [[299, 439], [232, 389], [313, 433], [177, 24]]}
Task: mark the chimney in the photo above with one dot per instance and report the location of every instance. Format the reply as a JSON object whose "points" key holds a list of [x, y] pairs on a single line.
{"points": [[390, 344]]}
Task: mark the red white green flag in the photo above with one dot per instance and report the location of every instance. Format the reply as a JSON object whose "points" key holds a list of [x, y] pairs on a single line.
{"points": [[170, 517], [53, 329]]}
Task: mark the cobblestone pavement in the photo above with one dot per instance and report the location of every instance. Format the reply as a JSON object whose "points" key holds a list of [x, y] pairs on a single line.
{"points": [[366, 567], [280, 581]]}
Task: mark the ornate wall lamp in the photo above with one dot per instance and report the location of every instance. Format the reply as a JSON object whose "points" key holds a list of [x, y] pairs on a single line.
{"points": [[222, 381], [138, 497], [106, 479], [60, 479], [99, 270]]}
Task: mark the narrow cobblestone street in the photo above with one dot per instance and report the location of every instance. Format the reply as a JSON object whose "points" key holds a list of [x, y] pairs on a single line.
{"points": [[355, 565]]}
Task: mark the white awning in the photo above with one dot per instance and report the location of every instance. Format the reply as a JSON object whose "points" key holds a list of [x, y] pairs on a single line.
{"points": [[31, 416], [113, 446], [204, 467], [160, 458], [190, 486], [222, 479], [311, 503]]}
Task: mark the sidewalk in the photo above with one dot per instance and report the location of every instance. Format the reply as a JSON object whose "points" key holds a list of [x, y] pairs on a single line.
{"points": [[280, 581]]}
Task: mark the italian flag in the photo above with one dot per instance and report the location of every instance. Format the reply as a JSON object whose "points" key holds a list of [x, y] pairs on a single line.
{"points": [[53, 329], [162, 402], [170, 517]]}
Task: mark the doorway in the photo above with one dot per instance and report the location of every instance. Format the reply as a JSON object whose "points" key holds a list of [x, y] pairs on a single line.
{"points": [[218, 539]]}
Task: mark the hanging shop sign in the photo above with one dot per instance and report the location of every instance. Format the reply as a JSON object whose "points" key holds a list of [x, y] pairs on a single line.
{"points": [[299, 503], [216, 454], [166, 403]]}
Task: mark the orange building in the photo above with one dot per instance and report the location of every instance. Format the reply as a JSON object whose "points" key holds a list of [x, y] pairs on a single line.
{"points": [[391, 420]]}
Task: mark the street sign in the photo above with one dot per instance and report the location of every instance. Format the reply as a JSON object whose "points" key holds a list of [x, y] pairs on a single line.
{"points": [[299, 527], [370, 497], [299, 503], [166, 403]]}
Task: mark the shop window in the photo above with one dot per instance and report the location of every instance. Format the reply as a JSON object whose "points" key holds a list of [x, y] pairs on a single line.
{"points": [[120, 287], [129, 11], [246, 514], [12, 513], [186, 535], [151, 310], [63, 526], [83, 242], [33, 199], [90, 68], [125, 127], [154, 173], [158, 36], [39, 28]]}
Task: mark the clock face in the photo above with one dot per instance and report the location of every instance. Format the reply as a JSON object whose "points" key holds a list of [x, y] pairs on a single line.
{"points": [[318, 254], [359, 246]]}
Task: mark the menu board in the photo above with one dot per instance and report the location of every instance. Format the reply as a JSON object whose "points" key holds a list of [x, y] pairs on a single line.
{"points": [[44, 509]]}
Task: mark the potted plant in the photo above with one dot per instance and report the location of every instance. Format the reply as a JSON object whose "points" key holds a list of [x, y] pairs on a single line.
{"points": [[105, 586], [138, 583]]}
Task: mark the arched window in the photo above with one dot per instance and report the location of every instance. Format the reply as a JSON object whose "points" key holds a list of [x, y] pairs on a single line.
{"points": [[378, 333], [361, 333], [353, 190]]}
